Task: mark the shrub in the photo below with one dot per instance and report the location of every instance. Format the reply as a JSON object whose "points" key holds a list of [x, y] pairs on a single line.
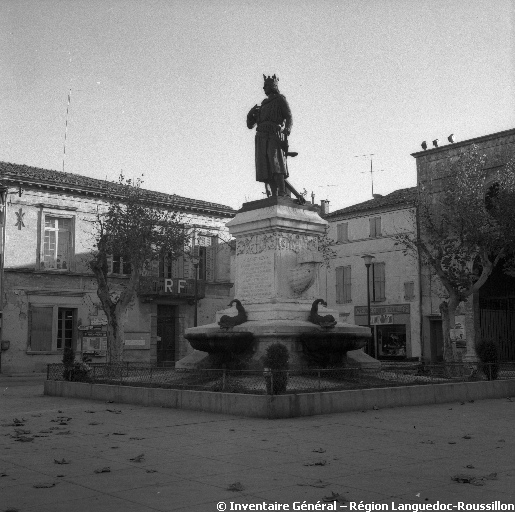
{"points": [[277, 360], [488, 352], [68, 360]]}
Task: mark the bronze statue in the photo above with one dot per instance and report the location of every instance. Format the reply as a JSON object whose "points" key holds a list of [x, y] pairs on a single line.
{"points": [[274, 121]]}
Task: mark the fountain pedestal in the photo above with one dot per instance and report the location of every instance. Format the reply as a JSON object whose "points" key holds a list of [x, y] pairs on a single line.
{"points": [[276, 280]]}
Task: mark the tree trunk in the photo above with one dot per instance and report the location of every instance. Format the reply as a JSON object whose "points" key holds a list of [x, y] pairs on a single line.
{"points": [[448, 311], [115, 333]]}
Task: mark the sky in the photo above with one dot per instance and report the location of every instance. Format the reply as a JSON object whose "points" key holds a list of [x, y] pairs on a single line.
{"points": [[162, 88]]}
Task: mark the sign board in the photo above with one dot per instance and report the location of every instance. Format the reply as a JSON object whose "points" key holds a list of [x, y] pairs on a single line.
{"points": [[458, 333], [134, 343], [137, 341], [94, 341], [381, 319]]}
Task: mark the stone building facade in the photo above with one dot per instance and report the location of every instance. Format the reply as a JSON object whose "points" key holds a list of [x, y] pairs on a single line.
{"points": [[490, 312], [48, 295], [368, 228]]}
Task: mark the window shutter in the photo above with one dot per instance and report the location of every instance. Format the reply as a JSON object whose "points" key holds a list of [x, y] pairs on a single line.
{"points": [[110, 263], [372, 223], [187, 269], [339, 285], [154, 267], [342, 234], [41, 328], [176, 266], [211, 260], [347, 296], [378, 226], [379, 281], [409, 290]]}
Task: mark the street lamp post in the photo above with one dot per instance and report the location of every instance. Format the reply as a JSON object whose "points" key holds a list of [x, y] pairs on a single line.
{"points": [[3, 212], [196, 262], [368, 261]]}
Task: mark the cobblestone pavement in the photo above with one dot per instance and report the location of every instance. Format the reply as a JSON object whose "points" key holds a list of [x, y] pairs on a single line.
{"points": [[62, 454]]}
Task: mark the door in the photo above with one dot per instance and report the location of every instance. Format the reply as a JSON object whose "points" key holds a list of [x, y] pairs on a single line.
{"points": [[165, 335], [436, 340]]}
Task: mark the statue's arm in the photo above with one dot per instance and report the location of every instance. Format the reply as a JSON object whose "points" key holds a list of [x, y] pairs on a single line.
{"points": [[286, 111], [252, 117]]}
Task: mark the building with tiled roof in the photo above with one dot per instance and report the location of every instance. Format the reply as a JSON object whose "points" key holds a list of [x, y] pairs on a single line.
{"points": [[48, 293], [368, 228], [401, 197], [26, 176]]}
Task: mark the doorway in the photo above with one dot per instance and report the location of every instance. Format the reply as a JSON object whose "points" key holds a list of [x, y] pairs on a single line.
{"points": [[436, 340], [165, 335]]}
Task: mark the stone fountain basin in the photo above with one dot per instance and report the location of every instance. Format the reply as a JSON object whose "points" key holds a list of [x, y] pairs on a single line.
{"points": [[333, 341], [210, 338], [341, 338]]}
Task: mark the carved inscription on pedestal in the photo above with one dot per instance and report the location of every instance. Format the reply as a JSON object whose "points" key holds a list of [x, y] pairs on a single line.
{"points": [[277, 241], [255, 276]]}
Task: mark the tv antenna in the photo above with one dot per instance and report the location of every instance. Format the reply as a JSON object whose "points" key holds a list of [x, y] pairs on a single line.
{"points": [[326, 187], [66, 124], [370, 155]]}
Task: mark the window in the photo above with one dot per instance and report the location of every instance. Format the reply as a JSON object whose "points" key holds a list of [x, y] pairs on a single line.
{"points": [[41, 328], [43, 336], [343, 285], [119, 264], [409, 290], [57, 243], [342, 232], [204, 250], [65, 325], [170, 268], [377, 282], [375, 227]]}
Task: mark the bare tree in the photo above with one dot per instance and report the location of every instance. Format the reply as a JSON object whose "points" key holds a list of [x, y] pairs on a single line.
{"points": [[465, 228], [139, 232]]}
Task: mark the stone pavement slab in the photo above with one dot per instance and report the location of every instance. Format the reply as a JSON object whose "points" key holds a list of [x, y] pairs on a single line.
{"points": [[190, 459]]}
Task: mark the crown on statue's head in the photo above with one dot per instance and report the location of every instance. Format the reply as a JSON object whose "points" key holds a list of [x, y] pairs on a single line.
{"points": [[273, 80]]}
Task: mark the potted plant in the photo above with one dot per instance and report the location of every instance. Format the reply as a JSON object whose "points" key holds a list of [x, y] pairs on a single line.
{"points": [[68, 362], [276, 365], [488, 353]]}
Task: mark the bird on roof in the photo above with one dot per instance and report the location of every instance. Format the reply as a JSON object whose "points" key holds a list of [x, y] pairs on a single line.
{"points": [[451, 138], [435, 143], [424, 145]]}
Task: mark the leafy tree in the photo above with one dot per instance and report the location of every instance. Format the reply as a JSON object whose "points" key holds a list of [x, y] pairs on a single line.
{"points": [[139, 231], [465, 229]]}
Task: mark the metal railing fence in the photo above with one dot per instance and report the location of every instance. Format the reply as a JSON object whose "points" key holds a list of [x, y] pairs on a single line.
{"points": [[305, 380]]}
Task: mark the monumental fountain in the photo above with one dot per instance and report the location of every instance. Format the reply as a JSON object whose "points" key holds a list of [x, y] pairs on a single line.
{"points": [[276, 284]]}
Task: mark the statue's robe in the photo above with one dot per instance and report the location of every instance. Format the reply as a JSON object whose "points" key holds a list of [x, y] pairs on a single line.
{"points": [[273, 119]]}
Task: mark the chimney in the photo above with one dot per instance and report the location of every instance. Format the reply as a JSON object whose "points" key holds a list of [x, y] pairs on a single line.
{"points": [[324, 206]]}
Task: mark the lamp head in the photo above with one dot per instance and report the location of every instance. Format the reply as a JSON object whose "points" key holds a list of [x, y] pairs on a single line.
{"points": [[368, 259]]}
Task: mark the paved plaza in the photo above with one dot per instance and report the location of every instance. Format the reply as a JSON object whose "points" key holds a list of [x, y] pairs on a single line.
{"points": [[62, 454]]}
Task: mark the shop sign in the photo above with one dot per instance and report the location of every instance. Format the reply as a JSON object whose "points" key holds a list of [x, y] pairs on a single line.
{"points": [[381, 319], [382, 310]]}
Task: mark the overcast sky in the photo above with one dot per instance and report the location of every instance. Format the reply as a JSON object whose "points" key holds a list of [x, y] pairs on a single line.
{"points": [[162, 88]]}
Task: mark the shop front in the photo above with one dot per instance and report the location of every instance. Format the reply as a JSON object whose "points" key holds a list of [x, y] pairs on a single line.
{"points": [[391, 330]]}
